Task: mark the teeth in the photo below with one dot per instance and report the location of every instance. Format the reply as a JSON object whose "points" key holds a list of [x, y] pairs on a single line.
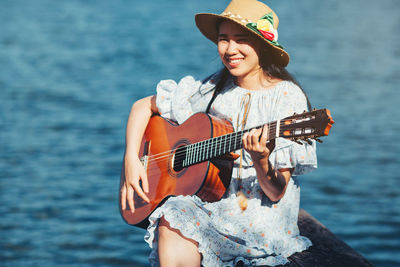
{"points": [[235, 60]]}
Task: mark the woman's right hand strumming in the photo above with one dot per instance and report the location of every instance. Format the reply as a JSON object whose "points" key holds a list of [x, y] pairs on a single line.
{"points": [[135, 182]]}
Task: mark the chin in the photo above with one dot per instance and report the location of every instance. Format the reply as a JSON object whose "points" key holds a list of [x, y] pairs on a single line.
{"points": [[236, 72]]}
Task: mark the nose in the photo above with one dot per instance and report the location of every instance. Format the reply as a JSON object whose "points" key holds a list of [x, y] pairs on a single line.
{"points": [[232, 47]]}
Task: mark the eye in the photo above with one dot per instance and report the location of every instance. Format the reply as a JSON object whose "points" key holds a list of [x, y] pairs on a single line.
{"points": [[243, 40]]}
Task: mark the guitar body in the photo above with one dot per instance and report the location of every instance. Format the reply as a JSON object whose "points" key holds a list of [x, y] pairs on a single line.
{"points": [[208, 179]]}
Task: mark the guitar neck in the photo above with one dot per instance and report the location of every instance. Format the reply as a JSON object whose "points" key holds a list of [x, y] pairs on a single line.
{"points": [[221, 145]]}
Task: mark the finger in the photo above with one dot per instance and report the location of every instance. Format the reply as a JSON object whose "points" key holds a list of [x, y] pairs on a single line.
{"points": [[131, 203], [271, 145], [140, 192], [123, 197], [255, 136], [244, 140], [145, 182], [264, 135]]}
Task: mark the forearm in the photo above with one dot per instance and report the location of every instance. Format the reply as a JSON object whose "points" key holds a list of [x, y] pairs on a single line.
{"points": [[272, 182], [140, 114]]}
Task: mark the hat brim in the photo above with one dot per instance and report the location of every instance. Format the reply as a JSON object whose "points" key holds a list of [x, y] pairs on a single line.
{"points": [[208, 23]]}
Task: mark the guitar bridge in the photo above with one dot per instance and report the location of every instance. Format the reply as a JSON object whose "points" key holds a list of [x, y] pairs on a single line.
{"points": [[145, 158]]}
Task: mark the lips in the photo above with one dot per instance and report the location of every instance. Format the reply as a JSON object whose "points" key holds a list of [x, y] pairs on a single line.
{"points": [[233, 62]]}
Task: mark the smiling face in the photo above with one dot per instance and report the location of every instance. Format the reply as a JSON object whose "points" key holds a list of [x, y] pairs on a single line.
{"points": [[237, 51]]}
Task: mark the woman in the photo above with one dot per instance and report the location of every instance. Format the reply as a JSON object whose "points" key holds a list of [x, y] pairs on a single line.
{"points": [[256, 220]]}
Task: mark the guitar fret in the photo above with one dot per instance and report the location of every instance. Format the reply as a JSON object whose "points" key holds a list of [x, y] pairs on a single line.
{"points": [[223, 142], [240, 142], [186, 157], [229, 143], [197, 153], [226, 143], [219, 146], [193, 154], [207, 149], [278, 123], [204, 150], [201, 149], [184, 161], [235, 144], [187, 163], [215, 145], [189, 153], [210, 149]]}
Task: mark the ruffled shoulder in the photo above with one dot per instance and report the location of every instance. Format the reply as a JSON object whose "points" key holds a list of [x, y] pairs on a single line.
{"points": [[172, 98], [178, 101], [292, 100], [289, 154]]}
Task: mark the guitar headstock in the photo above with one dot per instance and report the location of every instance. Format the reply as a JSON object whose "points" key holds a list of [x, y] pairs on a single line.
{"points": [[307, 125]]}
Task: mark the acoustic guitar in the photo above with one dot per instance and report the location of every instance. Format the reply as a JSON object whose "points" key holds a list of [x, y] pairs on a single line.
{"points": [[195, 158]]}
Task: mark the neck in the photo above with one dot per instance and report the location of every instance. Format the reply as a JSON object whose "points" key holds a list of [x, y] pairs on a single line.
{"points": [[250, 81], [256, 80]]}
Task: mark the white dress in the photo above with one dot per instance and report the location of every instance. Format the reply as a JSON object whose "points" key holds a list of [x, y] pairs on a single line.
{"points": [[266, 233]]}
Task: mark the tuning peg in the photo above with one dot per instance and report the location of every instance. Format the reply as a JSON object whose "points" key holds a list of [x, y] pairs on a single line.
{"points": [[318, 140]]}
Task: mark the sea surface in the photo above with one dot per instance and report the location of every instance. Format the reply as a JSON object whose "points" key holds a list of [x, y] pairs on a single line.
{"points": [[70, 71]]}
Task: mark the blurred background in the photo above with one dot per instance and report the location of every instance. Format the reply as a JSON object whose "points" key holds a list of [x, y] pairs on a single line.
{"points": [[70, 71]]}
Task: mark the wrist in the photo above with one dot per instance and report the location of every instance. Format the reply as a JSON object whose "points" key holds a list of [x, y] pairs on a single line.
{"points": [[131, 156], [260, 157], [271, 172]]}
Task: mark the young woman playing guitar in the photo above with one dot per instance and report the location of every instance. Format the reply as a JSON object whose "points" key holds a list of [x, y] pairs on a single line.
{"points": [[256, 220]]}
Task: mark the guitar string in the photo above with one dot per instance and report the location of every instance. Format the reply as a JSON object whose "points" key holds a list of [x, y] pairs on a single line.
{"points": [[201, 154], [222, 142], [206, 143], [203, 144], [151, 170], [201, 157], [272, 128]]}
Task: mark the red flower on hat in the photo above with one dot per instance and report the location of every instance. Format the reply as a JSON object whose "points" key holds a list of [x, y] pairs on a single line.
{"points": [[269, 35], [266, 27]]}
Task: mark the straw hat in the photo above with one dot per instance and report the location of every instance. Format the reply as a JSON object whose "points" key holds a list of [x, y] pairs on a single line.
{"points": [[253, 16]]}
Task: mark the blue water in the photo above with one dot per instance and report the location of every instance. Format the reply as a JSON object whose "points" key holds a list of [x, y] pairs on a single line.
{"points": [[70, 71]]}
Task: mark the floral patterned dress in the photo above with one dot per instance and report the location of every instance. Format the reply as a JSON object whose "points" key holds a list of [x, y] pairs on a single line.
{"points": [[265, 233]]}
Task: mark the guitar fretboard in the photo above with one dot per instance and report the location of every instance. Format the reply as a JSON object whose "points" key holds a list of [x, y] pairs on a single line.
{"points": [[218, 146]]}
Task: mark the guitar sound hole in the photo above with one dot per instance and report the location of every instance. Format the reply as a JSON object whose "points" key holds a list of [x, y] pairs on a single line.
{"points": [[179, 157]]}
